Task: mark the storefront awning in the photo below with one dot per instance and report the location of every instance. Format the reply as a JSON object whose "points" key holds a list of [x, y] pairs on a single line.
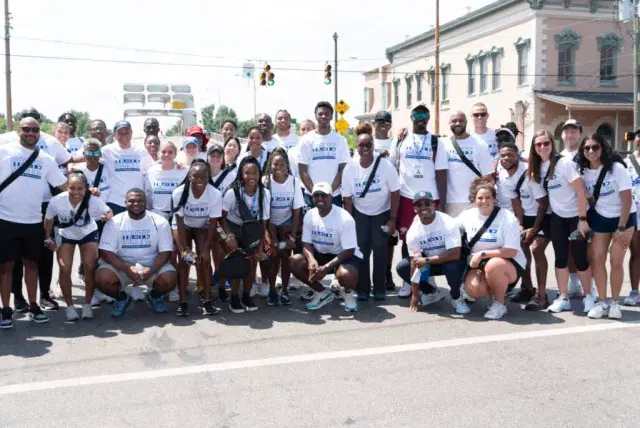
{"points": [[589, 100]]}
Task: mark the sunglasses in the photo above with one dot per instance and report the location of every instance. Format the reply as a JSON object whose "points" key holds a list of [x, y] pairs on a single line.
{"points": [[426, 203], [365, 145], [481, 114], [32, 129], [543, 144], [592, 148], [90, 153], [383, 122], [420, 115]]}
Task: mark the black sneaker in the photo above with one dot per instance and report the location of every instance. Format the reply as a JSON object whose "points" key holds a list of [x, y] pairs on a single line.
{"points": [[284, 298], [388, 284], [6, 318], [48, 303], [523, 296], [20, 305], [307, 294], [36, 315], [538, 304], [235, 306], [247, 301], [208, 308], [183, 309], [223, 296]]}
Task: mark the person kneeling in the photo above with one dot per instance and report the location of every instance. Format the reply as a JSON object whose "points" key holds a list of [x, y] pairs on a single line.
{"points": [[329, 244], [135, 248], [434, 247]]}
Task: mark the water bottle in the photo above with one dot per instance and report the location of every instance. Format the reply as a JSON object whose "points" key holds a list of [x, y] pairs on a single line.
{"points": [[190, 259], [139, 269], [385, 229]]}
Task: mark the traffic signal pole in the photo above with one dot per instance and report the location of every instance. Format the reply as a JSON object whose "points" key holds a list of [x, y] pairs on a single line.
{"points": [[335, 73], [7, 62]]}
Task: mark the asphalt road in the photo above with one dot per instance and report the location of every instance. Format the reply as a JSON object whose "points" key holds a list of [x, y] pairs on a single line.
{"points": [[286, 367]]}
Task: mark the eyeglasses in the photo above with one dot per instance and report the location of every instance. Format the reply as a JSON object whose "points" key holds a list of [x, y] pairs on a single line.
{"points": [[365, 145], [543, 143], [32, 129], [417, 115], [480, 114], [592, 148], [426, 203], [90, 153]]}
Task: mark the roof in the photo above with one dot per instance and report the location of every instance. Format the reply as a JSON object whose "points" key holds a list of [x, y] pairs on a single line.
{"points": [[589, 100], [451, 25]]}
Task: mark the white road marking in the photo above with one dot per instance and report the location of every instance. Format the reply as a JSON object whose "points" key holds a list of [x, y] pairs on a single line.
{"points": [[320, 356]]}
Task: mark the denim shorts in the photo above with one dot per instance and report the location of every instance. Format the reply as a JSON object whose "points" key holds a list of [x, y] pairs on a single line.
{"points": [[601, 224], [91, 237]]}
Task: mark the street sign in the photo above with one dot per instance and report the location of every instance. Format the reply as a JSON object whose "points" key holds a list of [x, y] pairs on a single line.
{"points": [[342, 107], [247, 70], [342, 125]]}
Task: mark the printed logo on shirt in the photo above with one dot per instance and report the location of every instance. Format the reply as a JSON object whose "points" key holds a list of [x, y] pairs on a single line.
{"points": [[491, 235], [432, 241], [425, 154], [322, 236], [133, 239], [196, 210], [467, 151], [554, 183], [323, 151], [376, 186], [165, 186], [34, 171], [605, 190], [281, 200], [127, 163]]}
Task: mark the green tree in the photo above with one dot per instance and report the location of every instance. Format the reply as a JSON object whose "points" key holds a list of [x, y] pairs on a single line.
{"points": [[244, 126], [84, 120], [207, 117], [176, 129], [222, 114], [350, 135]]}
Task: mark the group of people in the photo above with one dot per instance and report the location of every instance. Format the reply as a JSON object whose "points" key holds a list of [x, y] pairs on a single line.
{"points": [[472, 207]]}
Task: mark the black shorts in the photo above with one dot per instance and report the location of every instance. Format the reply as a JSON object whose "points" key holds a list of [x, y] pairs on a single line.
{"points": [[20, 241], [91, 237], [545, 228], [323, 259], [519, 271]]}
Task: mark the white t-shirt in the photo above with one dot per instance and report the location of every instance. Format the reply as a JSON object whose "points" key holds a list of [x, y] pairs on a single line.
{"points": [[105, 183], [197, 211], [224, 185], [262, 159], [159, 185], [294, 159], [489, 137], [53, 148], [60, 206], [459, 177], [609, 203], [530, 192], [378, 147], [378, 198], [271, 144], [562, 198], [288, 142], [128, 167], [137, 241], [570, 154], [74, 144], [635, 183], [331, 234], [21, 201], [504, 232], [506, 185], [323, 154], [233, 213], [433, 239], [285, 197], [417, 168]]}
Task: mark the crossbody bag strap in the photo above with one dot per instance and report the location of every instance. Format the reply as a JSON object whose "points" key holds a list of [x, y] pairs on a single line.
{"points": [[18, 172], [224, 174], [545, 181], [463, 158], [84, 205], [371, 177], [242, 206], [484, 227], [96, 180], [635, 163], [434, 147], [520, 183], [598, 187]]}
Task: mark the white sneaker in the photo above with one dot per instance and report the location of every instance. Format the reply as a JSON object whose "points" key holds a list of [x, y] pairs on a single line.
{"points": [[465, 296], [254, 289], [405, 290], [589, 303], [496, 311], [336, 289], [99, 296], [135, 293], [56, 291], [263, 290], [575, 288], [560, 304], [614, 311], [633, 299], [87, 312], [598, 311], [461, 306], [71, 313], [428, 299], [594, 289], [294, 283], [173, 295], [350, 302]]}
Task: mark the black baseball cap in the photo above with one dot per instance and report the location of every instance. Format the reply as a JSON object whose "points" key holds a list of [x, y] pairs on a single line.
{"points": [[382, 116]]}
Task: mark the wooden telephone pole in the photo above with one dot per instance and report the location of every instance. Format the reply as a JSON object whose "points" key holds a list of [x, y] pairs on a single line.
{"points": [[436, 74]]}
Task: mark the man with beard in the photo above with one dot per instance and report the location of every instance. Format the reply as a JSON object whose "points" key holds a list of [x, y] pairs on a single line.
{"points": [[468, 158], [21, 229]]}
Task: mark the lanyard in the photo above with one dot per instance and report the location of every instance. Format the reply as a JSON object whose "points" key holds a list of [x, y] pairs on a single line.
{"points": [[415, 143], [254, 201]]}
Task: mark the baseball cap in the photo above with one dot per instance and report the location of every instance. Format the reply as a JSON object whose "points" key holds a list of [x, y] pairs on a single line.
{"points": [[215, 148], [420, 107], [322, 188], [121, 124], [419, 196], [190, 140], [572, 122], [382, 116]]}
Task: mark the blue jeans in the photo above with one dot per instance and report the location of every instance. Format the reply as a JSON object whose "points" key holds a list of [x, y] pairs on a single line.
{"points": [[452, 270]]}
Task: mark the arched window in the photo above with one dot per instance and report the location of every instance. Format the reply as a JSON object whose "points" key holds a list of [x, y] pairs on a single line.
{"points": [[557, 135], [608, 133]]}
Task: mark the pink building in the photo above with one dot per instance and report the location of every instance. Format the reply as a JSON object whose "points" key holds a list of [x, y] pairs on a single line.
{"points": [[534, 62]]}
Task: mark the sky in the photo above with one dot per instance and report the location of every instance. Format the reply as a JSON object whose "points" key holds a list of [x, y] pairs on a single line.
{"points": [[204, 44]]}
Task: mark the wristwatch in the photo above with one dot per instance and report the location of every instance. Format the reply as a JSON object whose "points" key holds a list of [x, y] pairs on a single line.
{"points": [[427, 260], [582, 218], [483, 254], [621, 229]]}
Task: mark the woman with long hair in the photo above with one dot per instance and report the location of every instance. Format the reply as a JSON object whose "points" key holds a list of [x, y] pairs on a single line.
{"points": [[568, 225], [249, 188], [255, 149], [231, 149], [162, 179], [286, 202], [197, 206], [612, 218]]}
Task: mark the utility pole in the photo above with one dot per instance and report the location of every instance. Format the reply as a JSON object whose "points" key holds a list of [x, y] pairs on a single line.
{"points": [[636, 27], [7, 62], [436, 74], [335, 73]]}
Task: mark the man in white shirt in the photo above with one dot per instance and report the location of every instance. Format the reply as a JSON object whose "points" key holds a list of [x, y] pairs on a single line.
{"points": [[135, 248], [266, 128], [21, 229], [323, 155], [284, 136], [480, 116], [13, 137], [330, 245], [460, 175]]}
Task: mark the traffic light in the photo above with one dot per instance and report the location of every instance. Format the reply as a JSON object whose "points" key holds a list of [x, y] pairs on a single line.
{"points": [[270, 75], [263, 77], [327, 74]]}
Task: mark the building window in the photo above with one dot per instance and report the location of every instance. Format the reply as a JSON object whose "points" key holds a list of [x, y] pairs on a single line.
{"points": [[431, 75], [609, 44], [367, 104], [496, 63], [567, 43], [523, 47], [385, 96], [396, 93], [484, 71], [444, 81], [471, 71], [409, 83], [419, 78]]}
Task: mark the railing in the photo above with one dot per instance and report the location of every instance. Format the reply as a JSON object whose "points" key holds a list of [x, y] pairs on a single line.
{"points": [[218, 137]]}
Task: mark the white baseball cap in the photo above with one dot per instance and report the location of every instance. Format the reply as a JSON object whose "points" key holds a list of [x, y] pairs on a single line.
{"points": [[323, 188]]}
